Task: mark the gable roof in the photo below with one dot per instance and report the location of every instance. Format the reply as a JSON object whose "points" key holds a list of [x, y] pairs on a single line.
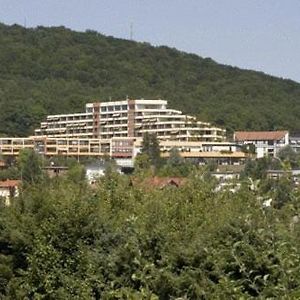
{"points": [[161, 182], [9, 183], [259, 135]]}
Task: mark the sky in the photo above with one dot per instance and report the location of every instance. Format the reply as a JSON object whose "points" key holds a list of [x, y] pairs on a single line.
{"points": [[261, 35]]}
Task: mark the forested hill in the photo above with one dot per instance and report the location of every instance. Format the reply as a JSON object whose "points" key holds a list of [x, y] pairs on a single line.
{"points": [[55, 70]]}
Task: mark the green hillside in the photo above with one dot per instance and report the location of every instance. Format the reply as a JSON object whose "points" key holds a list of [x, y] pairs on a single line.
{"points": [[55, 70]]}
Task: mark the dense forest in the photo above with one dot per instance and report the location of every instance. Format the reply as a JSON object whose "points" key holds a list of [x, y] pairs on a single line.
{"points": [[55, 70]]}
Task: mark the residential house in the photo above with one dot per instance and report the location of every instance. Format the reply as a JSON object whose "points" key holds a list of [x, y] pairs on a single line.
{"points": [[267, 143]]}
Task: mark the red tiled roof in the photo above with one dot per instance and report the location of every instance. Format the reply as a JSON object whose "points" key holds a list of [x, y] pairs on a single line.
{"points": [[259, 135], [162, 182], [9, 183]]}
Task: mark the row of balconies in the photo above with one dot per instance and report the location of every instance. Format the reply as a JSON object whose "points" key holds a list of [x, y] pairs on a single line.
{"points": [[111, 135], [71, 117], [95, 149], [176, 130], [166, 134], [185, 137], [66, 124], [148, 124], [113, 116], [4, 142], [117, 108], [159, 112], [113, 129], [78, 143], [104, 124]]}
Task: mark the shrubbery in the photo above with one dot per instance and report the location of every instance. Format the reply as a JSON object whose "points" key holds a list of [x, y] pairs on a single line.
{"points": [[64, 240]]}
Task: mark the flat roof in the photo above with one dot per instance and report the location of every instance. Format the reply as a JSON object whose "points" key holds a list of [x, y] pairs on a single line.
{"points": [[122, 102], [210, 154]]}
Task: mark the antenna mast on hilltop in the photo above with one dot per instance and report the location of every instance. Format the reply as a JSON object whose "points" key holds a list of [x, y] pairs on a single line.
{"points": [[131, 31]]}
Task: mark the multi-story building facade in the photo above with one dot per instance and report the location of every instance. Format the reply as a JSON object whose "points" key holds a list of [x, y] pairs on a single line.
{"points": [[123, 150], [130, 118], [116, 129], [267, 143]]}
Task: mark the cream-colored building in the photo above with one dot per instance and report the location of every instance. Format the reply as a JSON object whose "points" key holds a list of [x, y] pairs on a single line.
{"points": [[130, 118], [116, 129], [123, 150]]}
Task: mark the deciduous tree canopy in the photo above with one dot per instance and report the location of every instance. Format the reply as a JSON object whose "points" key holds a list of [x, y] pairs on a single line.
{"points": [[63, 240], [56, 70]]}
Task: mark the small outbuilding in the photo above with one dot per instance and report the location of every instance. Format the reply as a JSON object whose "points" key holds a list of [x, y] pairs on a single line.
{"points": [[9, 189]]}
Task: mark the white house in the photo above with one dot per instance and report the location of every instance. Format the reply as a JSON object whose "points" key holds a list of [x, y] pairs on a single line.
{"points": [[267, 143]]}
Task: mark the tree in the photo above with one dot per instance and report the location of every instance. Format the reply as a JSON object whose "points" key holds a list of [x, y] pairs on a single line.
{"points": [[249, 148], [30, 166], [150, 147], [38, 79], [146, 144], [175, 160], [257, 169], [120, 241], [154, 151], [142, 162], [110, 166], [288, 155], [176, 165], [282, 192], [76, 173]]}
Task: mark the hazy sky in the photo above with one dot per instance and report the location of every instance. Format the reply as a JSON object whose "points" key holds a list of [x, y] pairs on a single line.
{"points": [[254, 34]]}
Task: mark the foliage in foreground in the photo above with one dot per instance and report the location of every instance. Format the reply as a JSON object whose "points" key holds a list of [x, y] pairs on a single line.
{"points": [[63, 240]]}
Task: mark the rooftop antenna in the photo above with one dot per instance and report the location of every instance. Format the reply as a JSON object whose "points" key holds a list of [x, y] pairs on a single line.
{"points": [[131, 31]]}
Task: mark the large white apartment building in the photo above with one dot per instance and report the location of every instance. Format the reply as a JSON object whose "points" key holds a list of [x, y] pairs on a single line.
{"points": [[130, 118], [116, 129]]}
